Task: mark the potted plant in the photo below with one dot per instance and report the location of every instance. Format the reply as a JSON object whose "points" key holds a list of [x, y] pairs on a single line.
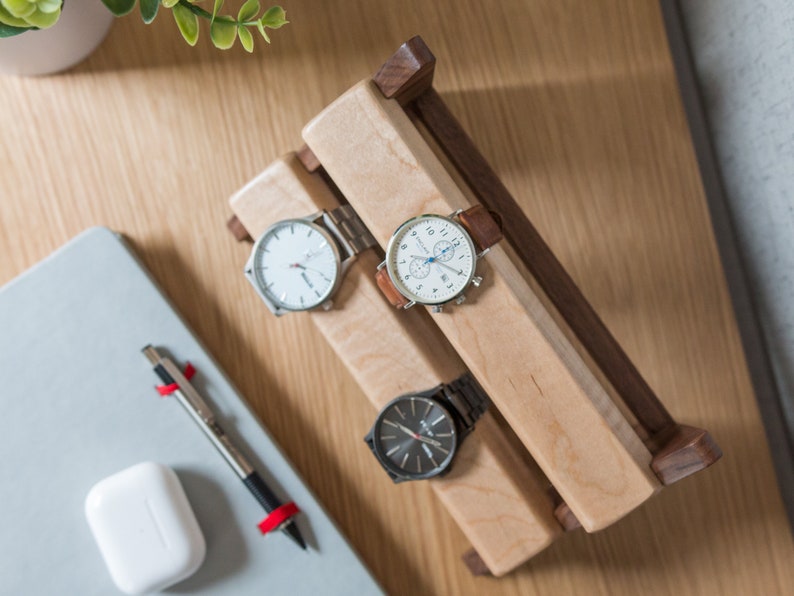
{"points": [[41, 36]]}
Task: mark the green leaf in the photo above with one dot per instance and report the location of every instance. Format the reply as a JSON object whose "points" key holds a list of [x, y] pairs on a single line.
{"points": [[119, 7], [248, 11], [187, 23], [149, 10], [11, 31], [6, 18], [170, 3], [42, 20], [216, 8], [261, 28], [223, 32], [246, 38], [274, 17], [21, 9], [49, 5]]}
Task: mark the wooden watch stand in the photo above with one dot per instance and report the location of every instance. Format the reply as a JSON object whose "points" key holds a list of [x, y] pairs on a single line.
{"points": [[675, 451], [678, 450]]}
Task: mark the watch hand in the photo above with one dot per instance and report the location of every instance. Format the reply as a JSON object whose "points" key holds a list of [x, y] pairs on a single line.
{"points": [[424, 260], [448, 267], [428, 440], [305, 268], [417, 436], [434, 259], [405, 429]]}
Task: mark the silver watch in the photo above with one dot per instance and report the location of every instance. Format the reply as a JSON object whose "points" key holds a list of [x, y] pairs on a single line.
{"points": [[298, 264]]}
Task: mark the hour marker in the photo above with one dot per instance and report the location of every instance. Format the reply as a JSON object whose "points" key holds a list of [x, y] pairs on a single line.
{"points": [[413, 407], [427, 411], [275, 235], [390, 423], [437, 420], [399, 411], [441, 449], [393, 450], [435, 463], [443, 435], [310, 233], [419, 464], [388, 437], [301, 300], [323, 244], [402, 463], [318, 293], [283, 297], [292, 228]]}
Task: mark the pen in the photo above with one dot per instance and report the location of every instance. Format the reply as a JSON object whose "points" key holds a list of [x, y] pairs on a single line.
{"points": [[203, 416]]}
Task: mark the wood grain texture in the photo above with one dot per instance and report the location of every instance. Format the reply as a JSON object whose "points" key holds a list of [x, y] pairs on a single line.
{"points": [[552, 401], [501, 506], [576, 107]]}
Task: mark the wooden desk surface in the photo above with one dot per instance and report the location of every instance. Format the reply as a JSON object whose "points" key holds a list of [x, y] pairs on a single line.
{"points": [[575, 105]]}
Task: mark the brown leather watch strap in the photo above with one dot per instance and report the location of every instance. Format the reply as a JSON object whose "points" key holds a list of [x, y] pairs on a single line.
{"points": [[387, 287], [484, 227]]}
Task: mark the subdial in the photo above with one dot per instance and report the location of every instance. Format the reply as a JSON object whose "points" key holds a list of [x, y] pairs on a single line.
{"points": [[419, 268], [443, 250]]}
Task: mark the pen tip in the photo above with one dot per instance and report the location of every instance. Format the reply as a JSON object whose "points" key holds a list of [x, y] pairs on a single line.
{"points": [[292, 531]]}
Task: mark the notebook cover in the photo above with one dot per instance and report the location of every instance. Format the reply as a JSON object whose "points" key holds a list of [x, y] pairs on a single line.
{"points": [[78, 404]]}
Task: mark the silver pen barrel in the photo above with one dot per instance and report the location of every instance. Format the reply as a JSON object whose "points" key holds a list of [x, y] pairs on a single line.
{"points": [[200, 412]]}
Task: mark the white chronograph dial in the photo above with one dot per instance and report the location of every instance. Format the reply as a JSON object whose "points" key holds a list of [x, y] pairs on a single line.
{"points": [[295, 265], [431, 259]]}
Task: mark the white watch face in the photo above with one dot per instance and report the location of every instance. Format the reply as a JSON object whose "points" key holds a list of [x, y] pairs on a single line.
{"points": [[296, 264], [431, 259]]}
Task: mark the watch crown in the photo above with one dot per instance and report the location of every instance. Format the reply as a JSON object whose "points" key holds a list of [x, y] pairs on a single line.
{"points": [[437, 308], [476, 281], [460, 299]]}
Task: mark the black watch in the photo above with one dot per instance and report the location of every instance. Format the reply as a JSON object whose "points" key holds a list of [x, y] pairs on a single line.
{"points": [[416, 435]]}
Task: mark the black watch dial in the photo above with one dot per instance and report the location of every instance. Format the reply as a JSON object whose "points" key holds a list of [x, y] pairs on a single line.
{"points": [[415, 437]]}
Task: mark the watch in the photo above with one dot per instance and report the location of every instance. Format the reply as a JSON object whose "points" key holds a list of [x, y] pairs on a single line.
{"points": [[432, 259], [416, 435], [297, 264]]}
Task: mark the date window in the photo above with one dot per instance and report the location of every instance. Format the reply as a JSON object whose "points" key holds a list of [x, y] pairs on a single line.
{"points": [[444, 277]]}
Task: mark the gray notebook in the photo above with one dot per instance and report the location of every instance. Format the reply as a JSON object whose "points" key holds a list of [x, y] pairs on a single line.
{"points": [[78, 404]]}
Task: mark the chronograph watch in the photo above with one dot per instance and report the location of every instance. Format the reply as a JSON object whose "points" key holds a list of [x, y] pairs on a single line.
{"points": [[416, 436], [297, 264], [432, 259]]}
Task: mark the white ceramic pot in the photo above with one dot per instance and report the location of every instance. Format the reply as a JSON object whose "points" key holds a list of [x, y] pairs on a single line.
{"points": [[81, 28]]}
